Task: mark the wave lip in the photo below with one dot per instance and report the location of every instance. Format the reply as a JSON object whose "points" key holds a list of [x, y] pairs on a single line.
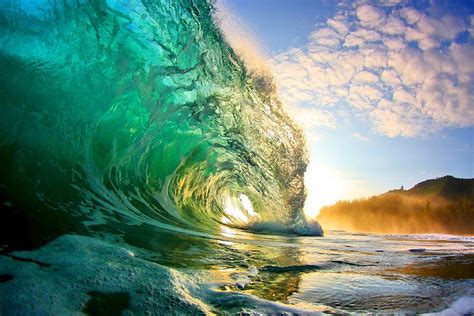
{"points": [[300, 227]]}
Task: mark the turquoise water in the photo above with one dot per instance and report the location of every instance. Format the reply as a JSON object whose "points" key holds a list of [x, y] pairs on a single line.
{"points": [[139, 112], [145, 169]]}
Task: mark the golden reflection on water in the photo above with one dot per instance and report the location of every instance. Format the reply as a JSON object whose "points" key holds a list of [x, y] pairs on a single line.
{"points": [[455, 267], [340, 271], [263, 253], [274, 285]]}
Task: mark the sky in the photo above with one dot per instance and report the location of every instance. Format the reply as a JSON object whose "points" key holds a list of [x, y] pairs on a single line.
{"points": [[384, 90]]}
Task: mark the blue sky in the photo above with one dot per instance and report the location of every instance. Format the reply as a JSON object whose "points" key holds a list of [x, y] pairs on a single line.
{"points": [[383, 89]]}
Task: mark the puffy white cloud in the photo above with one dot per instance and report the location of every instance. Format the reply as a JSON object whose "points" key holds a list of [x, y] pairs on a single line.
{"points": [[447, 28], [391, 78], [370, 16], [339, 25], [411, 15], [361, 37], [463, 56], [353, 40], [365, 77], [410, 66], [367, 35], [375, 58], [394, 121], [397, 66], [428, 31], [394, 26], [389, 3], [414, 34], [428, 43], [364, 96], [325, 33], [403, 96], [394, 43], [326, 37]]}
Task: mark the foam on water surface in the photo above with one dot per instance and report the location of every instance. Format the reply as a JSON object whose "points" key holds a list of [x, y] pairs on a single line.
{"points": [[262, 274], [77, 273], [57, 278]]}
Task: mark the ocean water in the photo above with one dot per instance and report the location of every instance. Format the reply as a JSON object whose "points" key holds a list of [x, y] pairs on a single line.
{"points": [[241, 272], [145, 170]]}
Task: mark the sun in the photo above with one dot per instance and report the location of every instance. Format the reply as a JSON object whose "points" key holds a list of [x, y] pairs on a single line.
{"points": [[324, 186]]}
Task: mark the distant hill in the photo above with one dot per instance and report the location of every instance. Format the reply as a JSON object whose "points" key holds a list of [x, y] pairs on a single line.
{"points": [[442, 205], [447, 187]]}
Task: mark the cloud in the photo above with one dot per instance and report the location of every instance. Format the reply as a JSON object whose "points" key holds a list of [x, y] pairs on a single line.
{"points": [[411, 15], [326, 37], [339, 25], [365, 77], [471, 26], [394, 26], [389, 3], [394, 44], [399, 67], [360, 137], [370, 16]]}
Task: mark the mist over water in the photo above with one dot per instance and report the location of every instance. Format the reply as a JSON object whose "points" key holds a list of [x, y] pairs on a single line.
{"points": [[140, 155]]}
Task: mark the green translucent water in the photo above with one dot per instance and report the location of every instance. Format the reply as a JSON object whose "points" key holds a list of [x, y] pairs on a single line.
{"points": [[138, 111]]}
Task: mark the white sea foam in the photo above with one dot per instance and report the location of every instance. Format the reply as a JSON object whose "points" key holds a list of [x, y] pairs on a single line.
{"points": [[55, 280], [462, 306]]}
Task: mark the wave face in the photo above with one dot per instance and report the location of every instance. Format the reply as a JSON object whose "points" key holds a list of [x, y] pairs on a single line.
{"points": [[138, 113]]}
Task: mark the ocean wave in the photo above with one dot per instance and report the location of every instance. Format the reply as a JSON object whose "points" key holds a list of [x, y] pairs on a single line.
{"points": [[140, 113]]}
